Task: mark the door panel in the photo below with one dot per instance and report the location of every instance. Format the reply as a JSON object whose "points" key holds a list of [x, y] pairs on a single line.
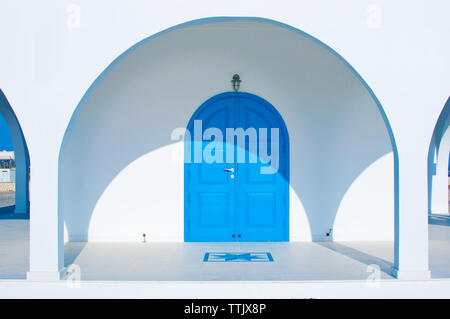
{"points": [[260, 210], [211, 209]]}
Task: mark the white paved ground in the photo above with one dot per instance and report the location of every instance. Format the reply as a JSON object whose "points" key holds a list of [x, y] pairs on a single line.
{"points": [[184, 261], [13, 246]]}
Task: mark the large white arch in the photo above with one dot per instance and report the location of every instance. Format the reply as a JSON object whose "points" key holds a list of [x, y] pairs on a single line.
{"points": [[337, 125]]}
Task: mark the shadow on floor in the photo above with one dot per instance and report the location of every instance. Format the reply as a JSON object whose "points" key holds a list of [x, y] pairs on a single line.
{"points": [[440, 220], [7, 210], [385, 266], [13, 216], [71, 254]]}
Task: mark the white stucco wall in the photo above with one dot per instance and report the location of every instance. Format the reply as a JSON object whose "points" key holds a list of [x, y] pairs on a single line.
{"points": [[119, 151]]}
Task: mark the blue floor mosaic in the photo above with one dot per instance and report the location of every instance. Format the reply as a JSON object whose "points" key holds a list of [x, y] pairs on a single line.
{"points": [[237, 257]]}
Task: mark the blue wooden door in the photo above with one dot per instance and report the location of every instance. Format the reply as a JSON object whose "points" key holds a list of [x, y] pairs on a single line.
{"points": [[262, 197], [210, 193], [234, 200]]}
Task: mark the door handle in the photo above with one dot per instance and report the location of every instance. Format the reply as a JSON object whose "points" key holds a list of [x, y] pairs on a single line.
{"points": [[229, 170]]}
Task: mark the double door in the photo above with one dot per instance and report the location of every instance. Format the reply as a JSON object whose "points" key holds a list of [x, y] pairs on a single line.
{"points": [[235, 193]]}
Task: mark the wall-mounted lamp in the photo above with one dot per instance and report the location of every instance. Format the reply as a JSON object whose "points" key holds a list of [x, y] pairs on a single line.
{"points": [[236, 82]]}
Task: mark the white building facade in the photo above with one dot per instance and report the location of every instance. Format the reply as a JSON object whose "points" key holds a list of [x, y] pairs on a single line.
{"points": [[99, 88], [7, 174]]}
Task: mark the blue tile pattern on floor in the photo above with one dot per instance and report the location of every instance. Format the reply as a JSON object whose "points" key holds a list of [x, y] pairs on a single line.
{"points": [[237, 257]]}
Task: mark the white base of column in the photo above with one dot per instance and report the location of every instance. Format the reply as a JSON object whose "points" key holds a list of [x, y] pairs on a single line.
{"points": [[46, 275], [411, 274]]}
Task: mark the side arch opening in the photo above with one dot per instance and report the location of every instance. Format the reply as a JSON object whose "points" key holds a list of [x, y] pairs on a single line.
{"points": [[21, 158], [438, 164]]}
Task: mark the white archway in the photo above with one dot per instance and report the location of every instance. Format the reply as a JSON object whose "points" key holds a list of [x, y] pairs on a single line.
{"points": [[125, 120], [438, 164]]}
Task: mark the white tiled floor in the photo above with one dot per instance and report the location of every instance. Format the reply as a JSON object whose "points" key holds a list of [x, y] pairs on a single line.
{"points": [[184, 261]]}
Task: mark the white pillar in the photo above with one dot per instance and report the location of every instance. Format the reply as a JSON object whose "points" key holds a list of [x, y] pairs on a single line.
{"points": [[439, 188], [411, 217], [46, 227]]}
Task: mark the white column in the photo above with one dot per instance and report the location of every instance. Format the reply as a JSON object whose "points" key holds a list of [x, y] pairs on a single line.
{"points": [[46, 227], [411, 217], [439, 188]]}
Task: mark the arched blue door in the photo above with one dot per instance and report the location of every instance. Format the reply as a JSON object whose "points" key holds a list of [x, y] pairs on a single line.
{"points": [[236, 171]]}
